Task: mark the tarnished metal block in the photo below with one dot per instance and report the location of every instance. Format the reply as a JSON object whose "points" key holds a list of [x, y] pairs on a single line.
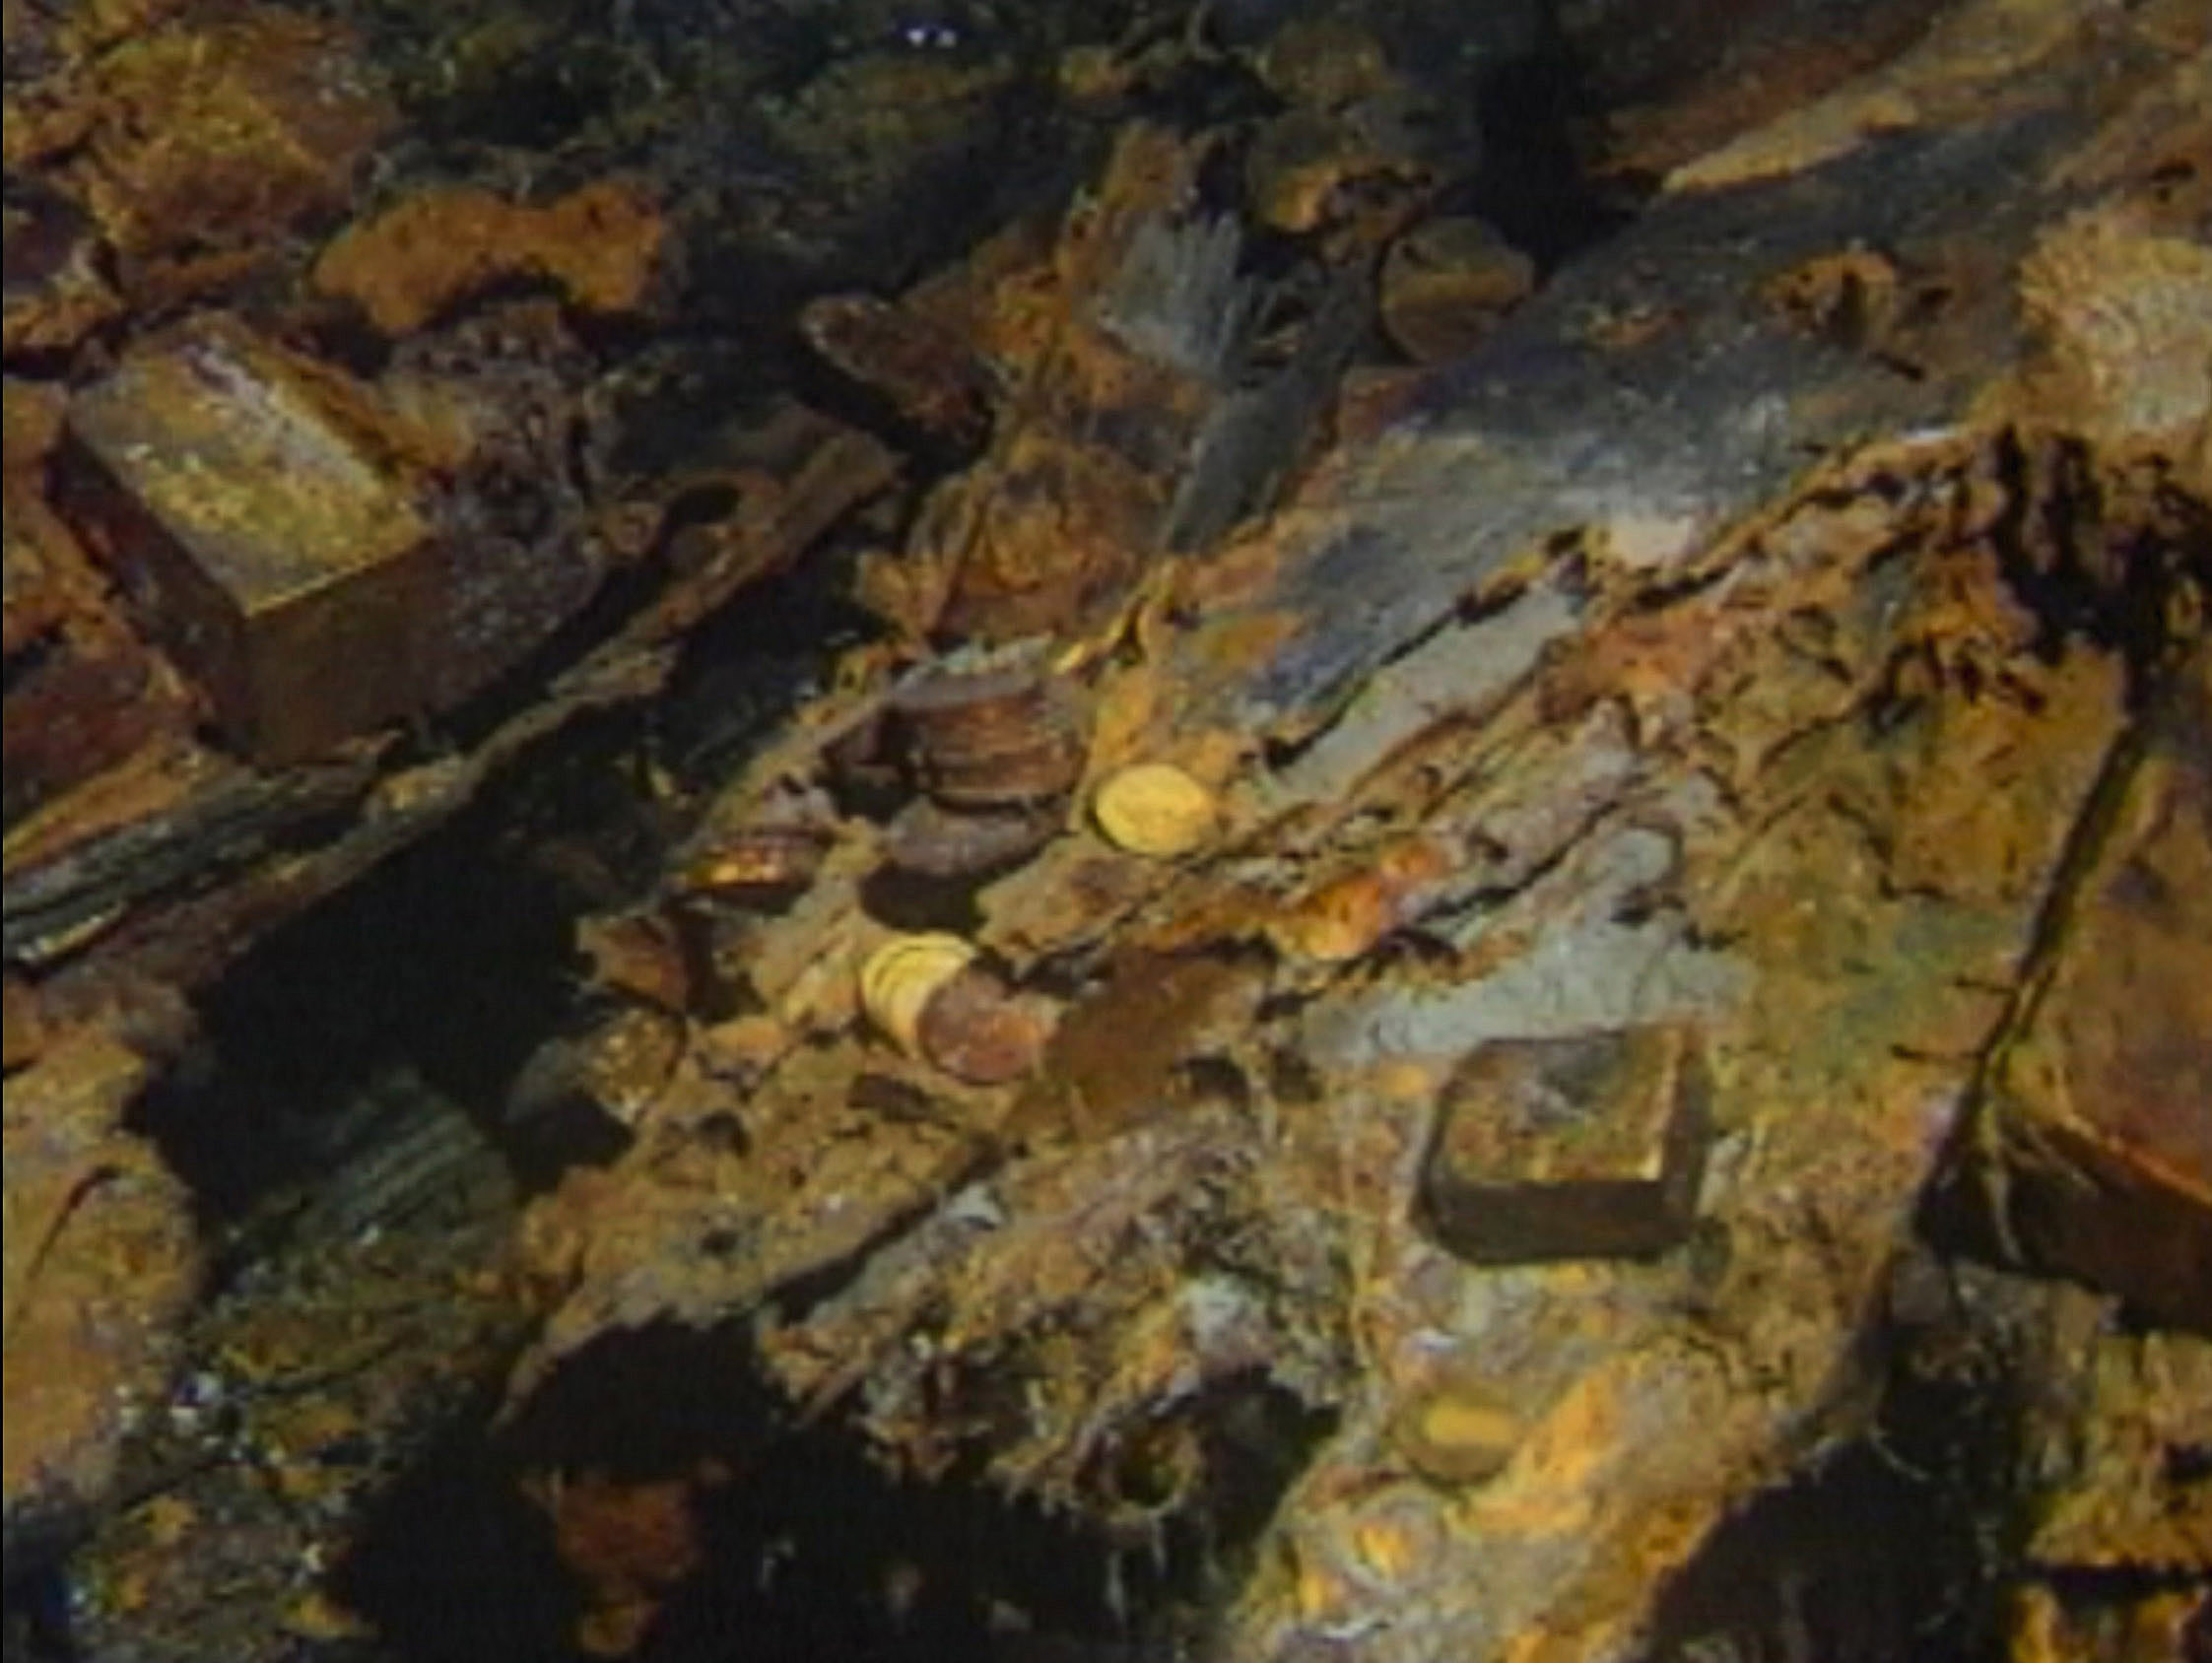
{"points": [[241, 498], [1585, 1146]]}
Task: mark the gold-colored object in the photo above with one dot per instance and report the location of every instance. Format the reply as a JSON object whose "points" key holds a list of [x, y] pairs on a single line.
{"points": [[1581, 1146], [1457, 1433], [1155, 809], [298, 542], [932, 995], [899, 979], [756, 862], [246, 501], [1350, 915]]}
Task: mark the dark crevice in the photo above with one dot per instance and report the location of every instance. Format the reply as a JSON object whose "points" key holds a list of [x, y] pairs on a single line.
{"points": [[2095, 554], [1897, 1545], [1534, 183], [803, 1545], [451, 961]]}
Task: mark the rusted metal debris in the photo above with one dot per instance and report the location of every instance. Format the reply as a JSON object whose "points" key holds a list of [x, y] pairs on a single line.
{"points": [[1456, 850], [242, 579], [1671, 666], [2097, 1091]]}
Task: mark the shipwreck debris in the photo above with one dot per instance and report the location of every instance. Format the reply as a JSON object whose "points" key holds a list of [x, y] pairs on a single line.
{"points": [[1483, 920]]}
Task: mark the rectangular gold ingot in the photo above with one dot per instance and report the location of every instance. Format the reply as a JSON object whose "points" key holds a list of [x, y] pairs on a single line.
{"points": [[240, 496], [1587, 1146]]}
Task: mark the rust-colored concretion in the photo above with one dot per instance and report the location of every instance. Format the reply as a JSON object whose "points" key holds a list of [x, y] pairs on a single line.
{"points": [[2106, 1100], [990, 736], [977, 1029]]}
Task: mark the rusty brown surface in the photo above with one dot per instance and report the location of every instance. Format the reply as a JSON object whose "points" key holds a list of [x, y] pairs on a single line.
{"points": [[190, 137], [2112, 1432], [928, 372], [2101, 1094], [100, 1264], [601, 245], [84, 691], [1444, 284], [2154, 1630], [629, 1544], [1794, 756], [1708, 755], [281, 529]]}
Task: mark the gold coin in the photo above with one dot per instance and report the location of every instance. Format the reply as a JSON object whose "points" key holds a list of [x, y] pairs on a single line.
{"points": [[1155, 809], [900, 976]]}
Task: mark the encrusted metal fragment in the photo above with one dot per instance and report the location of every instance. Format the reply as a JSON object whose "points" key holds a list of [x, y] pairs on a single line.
{"points": [[930, 840], [977, 1029], [930, 375], [1446, 283], [2102, 1125], [990, 737]]}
